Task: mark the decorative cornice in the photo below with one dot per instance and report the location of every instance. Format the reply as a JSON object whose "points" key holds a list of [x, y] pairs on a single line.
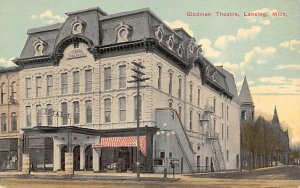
{"points": [[147, 45]]}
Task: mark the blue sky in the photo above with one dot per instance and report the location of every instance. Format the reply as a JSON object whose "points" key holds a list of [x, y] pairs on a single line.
{"points": [[265, 49]]}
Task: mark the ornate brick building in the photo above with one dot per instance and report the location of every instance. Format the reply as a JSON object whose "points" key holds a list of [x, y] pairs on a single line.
{"points": [[10, 140], [76, 97]]}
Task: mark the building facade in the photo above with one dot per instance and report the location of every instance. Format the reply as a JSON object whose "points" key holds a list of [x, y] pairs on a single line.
{"points": [[10, 140], [77, 97]]}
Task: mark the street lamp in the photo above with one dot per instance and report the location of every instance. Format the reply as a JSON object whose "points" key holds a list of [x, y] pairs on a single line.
{"points": [[166, 133]]}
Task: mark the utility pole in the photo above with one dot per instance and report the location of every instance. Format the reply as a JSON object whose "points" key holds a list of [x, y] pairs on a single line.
{"points": [[138, 78]]}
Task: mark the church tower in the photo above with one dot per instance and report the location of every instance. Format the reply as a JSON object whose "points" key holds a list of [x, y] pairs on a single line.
{"points": [[275, 120], [247, 105]]}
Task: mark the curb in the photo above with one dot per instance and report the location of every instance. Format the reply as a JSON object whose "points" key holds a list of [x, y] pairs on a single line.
{"points": [[94, 178]]}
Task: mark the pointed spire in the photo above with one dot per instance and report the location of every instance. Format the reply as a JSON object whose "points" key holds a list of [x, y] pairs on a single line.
{"points": [[245, 94], [275, 120]]}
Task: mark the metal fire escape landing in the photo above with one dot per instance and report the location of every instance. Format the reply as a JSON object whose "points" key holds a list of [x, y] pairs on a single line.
{"points": [[213, 138]]}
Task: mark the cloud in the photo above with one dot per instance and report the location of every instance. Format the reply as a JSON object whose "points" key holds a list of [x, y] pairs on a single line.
{"points": [[244, 34], [7, 63], [180, 24], [273, 80], [288, 89], [231, 67], [33, 17], [264, 20], [293, 45], [292, 67], [208, 51], [277, 85], [258, 55], [222, 41], [48, 17]]}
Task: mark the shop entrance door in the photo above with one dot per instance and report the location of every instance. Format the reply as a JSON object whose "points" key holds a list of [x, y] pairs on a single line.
{"points": [[76, 158], [89, 158]]}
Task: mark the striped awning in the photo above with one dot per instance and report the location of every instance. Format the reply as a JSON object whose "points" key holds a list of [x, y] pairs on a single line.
{"points": [[126, 141]]}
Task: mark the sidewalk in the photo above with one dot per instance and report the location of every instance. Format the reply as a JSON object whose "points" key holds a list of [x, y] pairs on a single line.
{"points": [[89, 175]]}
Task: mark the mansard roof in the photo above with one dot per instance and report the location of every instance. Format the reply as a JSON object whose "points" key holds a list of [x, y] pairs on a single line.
{"points": [[245, 94], [230, 83], [144, 31]]}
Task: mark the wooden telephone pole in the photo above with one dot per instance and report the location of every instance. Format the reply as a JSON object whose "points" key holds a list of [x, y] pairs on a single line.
{"points": [[138, 78]]}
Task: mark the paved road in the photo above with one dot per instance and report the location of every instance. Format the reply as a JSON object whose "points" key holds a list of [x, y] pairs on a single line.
{"points": [[276, 177]]}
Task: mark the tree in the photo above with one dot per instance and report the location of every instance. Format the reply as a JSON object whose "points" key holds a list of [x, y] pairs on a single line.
{"points": [[295, 156]]}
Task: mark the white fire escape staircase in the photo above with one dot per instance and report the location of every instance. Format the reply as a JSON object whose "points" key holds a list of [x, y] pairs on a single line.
{"points": [[213, 138]]}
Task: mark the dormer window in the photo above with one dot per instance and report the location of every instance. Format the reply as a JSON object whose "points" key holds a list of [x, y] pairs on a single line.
{"points": [[77, 26], [214, 76], [191, 46], [170, 42], [207, 70], [199, 50], [39, 47], [180, 50], [159, 33], [124, 32]]}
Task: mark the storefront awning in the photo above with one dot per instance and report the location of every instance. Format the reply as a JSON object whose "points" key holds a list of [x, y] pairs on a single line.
{"points": [[126, 141]]}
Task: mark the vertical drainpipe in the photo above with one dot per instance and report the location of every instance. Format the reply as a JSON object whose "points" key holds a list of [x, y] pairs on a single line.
{"points": [[184, 98]]}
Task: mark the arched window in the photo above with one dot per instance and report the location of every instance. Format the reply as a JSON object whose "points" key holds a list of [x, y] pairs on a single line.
{"points": [[13, 92], [88, 80], [76, 112], [179, 111], [39, 115], [191, 92], [28, 116], [88, 111], [2, 93], [159, 77], [64, 83], [179, 87], [122, 108], [49, 115], [38, 84], [107, 110], [107, 78], [76, 81], [13, 121], [122, 76], [3, 122], [65, 115], [170, 82]]}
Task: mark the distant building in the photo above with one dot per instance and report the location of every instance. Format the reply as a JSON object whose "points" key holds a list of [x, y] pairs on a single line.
{"points": [[247, 104], [76, 97], [282, 150], [10, 140]]}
